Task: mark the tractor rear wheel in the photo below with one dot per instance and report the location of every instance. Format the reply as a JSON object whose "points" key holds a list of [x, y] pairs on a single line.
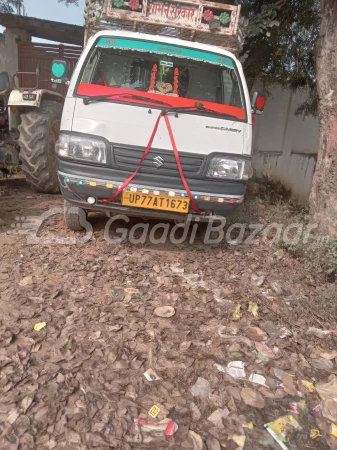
{"points": [[39, 131]]}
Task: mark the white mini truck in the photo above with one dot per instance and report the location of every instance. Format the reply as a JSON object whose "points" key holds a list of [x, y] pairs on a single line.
{"points": [[156, 126]]}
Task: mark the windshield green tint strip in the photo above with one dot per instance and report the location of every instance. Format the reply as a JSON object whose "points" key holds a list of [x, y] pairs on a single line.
{"points": [[167, 49]]}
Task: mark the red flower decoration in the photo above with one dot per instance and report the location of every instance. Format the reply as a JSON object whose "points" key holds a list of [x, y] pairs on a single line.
{"points": [[208, 15], [134, 5]]}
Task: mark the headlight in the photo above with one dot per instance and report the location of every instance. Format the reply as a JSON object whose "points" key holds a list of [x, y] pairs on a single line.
{"points": [[231, 169], [82, 148]]}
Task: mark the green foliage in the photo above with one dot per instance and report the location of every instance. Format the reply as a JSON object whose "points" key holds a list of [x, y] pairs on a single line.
{"points": [[280, 45], [69, 2], [272, 191], [10, 6]]}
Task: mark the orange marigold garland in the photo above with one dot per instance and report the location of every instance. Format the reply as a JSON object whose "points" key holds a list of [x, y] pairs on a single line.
{"points": [[176, 81], [153, 77]]}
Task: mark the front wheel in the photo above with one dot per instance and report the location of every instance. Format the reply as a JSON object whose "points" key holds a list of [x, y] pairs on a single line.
{"points": [[39, 131], [74, 216]]}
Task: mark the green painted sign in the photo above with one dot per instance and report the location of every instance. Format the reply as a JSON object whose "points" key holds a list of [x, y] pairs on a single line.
{"points": [[166, 49]]}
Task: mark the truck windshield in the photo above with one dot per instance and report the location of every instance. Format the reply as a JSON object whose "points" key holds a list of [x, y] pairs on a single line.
{"points": [[169, 76]]}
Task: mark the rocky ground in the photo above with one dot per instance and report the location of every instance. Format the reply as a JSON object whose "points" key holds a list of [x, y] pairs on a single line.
{"points": [[233, 334]]}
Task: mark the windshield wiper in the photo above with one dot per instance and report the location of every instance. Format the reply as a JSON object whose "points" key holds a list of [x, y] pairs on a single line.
{"points": [[101, 98], [198, 107]]}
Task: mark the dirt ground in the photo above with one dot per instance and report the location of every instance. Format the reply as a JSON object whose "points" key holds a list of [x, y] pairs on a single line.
{"points": [[79, 382]]}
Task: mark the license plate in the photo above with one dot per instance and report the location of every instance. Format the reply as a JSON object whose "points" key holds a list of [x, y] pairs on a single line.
{"points": [[29, 97], [150, 201]]}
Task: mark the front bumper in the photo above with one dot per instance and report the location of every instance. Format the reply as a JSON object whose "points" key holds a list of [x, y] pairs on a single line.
{"points": [[78, 182]]}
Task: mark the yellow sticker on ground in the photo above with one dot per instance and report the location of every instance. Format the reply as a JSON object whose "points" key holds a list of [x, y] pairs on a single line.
{"points": [[39, 326], [154, 411]]}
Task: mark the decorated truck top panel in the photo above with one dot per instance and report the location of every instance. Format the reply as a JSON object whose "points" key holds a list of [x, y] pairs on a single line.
{"points": [[193, 20]]}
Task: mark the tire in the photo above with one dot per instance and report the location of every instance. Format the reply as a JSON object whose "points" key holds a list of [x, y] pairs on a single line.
{"points": [[39, 131], [72, 216]]}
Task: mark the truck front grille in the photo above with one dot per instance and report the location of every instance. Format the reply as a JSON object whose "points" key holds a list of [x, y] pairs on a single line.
{"points": [[158, 161]]}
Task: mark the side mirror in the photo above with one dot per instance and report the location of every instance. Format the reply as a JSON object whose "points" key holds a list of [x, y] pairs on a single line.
{"points": [[60, 71], [258, 103], [5, 83]]}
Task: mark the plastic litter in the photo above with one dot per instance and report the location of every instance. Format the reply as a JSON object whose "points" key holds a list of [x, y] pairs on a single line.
{"points": [[201, 388], [151, 375], [154, 411], [39, 326], [284, 430], [249, 425], [19, 263], [237, 313], [258, 379], [172, 428], [328, 395], [293, 408], [334, 429], [314, 433], [308, 385], [236, 369], [166, 426]]}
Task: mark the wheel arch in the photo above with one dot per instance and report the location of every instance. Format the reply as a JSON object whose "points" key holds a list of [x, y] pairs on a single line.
{"points": [[17, 105]]}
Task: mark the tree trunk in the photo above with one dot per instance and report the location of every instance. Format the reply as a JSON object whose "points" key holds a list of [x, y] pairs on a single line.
{"points": [[323, 198]]}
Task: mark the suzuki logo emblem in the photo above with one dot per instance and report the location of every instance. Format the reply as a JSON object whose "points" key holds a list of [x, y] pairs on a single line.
{"points": [[158, 161]]}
